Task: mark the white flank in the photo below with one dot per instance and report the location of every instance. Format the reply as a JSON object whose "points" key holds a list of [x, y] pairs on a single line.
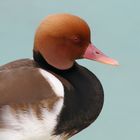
{"points": [[54, 82], [26, 125]]}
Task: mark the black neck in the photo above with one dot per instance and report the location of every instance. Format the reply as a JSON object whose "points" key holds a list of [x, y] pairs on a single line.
{"points": [[83, 98], [45, 65]]}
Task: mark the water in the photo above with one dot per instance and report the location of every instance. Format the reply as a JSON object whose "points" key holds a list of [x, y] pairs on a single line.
{"points": [[115, 30]]}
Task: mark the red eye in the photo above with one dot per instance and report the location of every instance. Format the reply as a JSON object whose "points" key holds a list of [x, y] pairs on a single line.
{"points": [[76, 39]]}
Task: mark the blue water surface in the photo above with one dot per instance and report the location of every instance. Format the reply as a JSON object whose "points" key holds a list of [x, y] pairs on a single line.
{"points": [[115, 26]]}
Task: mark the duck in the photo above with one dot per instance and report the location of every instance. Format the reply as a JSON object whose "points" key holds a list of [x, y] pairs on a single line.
{"points": [[52, 97]]}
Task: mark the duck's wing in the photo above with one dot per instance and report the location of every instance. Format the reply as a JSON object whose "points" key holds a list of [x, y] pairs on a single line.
{"points": [[29, 94], [23, 82], [18, 64]]}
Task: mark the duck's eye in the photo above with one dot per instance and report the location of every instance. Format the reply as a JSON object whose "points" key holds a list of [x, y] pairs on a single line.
{"points": [[76, 39]]}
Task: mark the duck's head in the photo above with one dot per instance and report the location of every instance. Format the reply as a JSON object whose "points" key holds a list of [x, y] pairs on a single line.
{"points": [[63, 38]]}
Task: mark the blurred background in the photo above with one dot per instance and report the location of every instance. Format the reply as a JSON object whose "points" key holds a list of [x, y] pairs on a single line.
{"points": [[115, 26]]}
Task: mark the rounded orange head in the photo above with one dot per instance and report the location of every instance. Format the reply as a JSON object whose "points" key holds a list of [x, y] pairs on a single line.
{"points": [[62, 38]]}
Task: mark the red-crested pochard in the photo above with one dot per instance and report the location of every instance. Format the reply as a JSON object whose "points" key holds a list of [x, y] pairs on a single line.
{"points": [[52, 97]]}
